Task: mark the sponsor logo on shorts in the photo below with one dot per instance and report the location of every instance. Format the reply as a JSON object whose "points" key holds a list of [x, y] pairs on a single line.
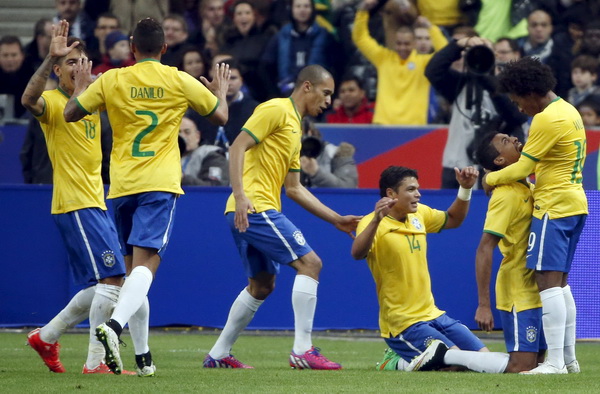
{"points": [[531, 334], [108, 258], [416, 224], [299, 238]]}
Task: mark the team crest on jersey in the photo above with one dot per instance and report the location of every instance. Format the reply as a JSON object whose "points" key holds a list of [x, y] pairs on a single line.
{"points": [[108, 258], [411, 65], [531, 334], [416, 223], [299, 238]]}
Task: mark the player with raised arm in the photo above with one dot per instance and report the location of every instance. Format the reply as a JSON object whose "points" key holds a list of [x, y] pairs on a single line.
{"points": [[555, 151], [507, 225], [78, 206], [265, 156], [145, 104]]}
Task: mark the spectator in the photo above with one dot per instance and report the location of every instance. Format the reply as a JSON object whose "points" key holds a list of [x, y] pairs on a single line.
{"points": [[176, 35], [132, 11], [445, 14], [423, 43], [240, 106], [37, 50], [589, 109], [353, 106], [211, 26], [495, 19], [539, 41], [80, 24], [505, 50], [324, 164], [35, 162], [469, 123], [118, 53], [246, 43], [106, 24], [584, 75], [300, 43], [14, 71], [202, 165], [193, 62]]}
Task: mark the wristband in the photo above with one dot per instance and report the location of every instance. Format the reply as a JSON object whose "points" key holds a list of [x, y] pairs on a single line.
{"points": [[464, 194]]}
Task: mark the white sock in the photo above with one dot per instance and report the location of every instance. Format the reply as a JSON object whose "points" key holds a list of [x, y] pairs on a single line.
{"points": [[138, 328], [76, 311], [402, 364], [304, 302], [133, 294], [570, 335], [102, 307], [488, 362], [241, 313], [554, 319]]}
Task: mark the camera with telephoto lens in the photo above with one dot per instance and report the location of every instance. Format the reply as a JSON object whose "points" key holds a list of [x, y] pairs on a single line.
{"points": [[311, 147], [480, 59]]}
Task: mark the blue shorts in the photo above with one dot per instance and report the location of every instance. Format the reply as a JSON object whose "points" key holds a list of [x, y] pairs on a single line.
{"points": [[270, 240], [552, 243], [413, 341], [92, 245], [523, 330], [145, 220]]}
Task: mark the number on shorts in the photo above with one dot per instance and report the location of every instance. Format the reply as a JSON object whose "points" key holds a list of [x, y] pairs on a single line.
{"points": [[531, 241], [135, 151]]}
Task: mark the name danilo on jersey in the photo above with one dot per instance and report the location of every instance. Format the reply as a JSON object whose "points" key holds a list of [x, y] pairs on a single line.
{"points": [[146, 92]]}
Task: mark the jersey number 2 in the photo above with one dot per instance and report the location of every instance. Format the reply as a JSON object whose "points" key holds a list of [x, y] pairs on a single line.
{"points": [[135, 151]]}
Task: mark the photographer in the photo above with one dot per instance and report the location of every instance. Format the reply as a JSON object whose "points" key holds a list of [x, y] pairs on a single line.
{"points": [[476, 106], [324, 164]]}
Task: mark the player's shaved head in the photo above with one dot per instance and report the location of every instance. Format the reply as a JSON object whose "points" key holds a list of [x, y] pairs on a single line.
{"points": [[149, 37], [314, 74], [393, 176]]}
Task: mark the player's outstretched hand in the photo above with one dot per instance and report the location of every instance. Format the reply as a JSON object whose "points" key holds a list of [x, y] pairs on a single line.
{"points": [[382, 208], [484, 318], [348, 224], [220, 82], [467, 176], [83, 75], [242, 206], [58, 45]]}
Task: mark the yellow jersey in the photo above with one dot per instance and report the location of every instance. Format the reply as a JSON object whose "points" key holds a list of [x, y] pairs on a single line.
{"points": [[76, 155], [509, 217], [557, 148], [398, 261], [145, 104], [276, 127]]}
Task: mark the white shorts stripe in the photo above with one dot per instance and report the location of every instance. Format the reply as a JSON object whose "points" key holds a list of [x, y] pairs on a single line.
{"points": [[410, 345], [276, 230], [516, 329], [166, 234], [87, 245], [538, 265]]}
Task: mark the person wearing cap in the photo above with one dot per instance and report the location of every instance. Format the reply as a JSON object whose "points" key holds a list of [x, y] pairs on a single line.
{"points": [[117, 55]]}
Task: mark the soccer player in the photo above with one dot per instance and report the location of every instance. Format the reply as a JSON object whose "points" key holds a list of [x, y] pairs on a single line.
{"points": [[393, 240], [145, 104], [263, 157], [78, 206], [507, 224], [555, 151]]}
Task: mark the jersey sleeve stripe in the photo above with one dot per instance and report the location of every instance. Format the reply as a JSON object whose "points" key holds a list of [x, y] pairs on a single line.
{"points": [[213, 110], [493, 233], [43, 109], [295, 170], [530, 157], [251, 135], [445, 221], [81, 106]]}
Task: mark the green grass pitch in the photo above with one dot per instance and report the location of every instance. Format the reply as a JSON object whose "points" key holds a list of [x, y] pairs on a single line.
{"points": [[178, 357]]}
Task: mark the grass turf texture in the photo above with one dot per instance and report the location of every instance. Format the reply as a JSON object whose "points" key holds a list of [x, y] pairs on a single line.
{"points": [[178, 357]]}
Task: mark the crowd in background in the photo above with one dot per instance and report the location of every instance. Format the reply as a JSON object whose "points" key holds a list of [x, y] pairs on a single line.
{"points": [[387, 56]]}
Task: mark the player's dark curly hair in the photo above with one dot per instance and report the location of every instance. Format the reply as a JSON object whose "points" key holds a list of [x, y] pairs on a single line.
{"points": [[393, 176], [526, 76], [148, 37], [486, 153]]}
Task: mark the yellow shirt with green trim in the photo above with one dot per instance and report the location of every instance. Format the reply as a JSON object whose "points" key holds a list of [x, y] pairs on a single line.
{"points": [[403, 90], [276, 128], [76, 155], [145, 104], [509, 217], [555, 151], [398, 261]]}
